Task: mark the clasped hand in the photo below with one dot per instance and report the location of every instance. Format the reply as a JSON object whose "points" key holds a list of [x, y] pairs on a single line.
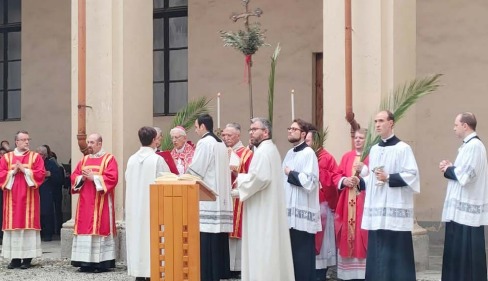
{"points": [[87, 174], [19, 167], [444, 165]]}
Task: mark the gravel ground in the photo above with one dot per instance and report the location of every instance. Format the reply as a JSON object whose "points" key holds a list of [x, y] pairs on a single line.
{"points": [[61, 270], [57, 270]]}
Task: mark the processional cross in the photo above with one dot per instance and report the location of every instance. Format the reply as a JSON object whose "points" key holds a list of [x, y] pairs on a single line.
{"points": [[235, 17]]}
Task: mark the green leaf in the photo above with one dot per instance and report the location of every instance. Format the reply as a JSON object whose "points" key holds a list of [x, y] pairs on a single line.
{"points": [[271, 81], [399, 102], [186, 118]]}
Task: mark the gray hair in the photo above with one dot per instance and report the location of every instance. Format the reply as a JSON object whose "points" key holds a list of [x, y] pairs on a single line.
{"points": [[158, 131], [20, 132], [42, 150], [266, 124], [234, 125]]}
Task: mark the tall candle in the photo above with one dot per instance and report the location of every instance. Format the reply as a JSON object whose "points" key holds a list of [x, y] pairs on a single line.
{"points": [[218, 111], [292, 104]]}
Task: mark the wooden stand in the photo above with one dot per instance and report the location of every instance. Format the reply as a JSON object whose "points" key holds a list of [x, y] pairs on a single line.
{"points": [[175, 229]]}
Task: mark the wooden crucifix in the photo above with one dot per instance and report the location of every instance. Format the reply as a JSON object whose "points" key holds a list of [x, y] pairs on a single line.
{"points": [[235, 17], [257, 13]]}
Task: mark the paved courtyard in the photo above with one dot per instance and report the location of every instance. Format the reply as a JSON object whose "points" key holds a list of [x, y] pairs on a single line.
{"points": [[52, 268]]}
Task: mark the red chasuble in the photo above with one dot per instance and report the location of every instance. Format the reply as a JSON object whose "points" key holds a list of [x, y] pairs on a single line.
{"points": [[328, 175], [246, 155], [21, 204], [352, 241], [92, 214]]}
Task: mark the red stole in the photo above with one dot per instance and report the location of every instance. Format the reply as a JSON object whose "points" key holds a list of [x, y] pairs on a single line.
{"points": [[245, 154], [93, 213], [185, 156], [21, 204], [352, 241]]}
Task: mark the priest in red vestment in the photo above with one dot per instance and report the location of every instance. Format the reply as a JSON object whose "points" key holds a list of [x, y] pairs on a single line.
{"points": [[325, 246], [351, 239], [240, 159], [94, 179], [183, 150], [21, 174]]}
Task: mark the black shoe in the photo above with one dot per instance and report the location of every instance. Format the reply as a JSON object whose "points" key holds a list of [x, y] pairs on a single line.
{"points": [[101, 270], [15, 263], [26, 263], [86, 269]]}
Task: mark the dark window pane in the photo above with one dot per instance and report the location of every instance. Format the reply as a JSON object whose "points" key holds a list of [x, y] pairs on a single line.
{"points": [[178, 32], [1, 105], [174, 3], [158, 66], [14, 10], [13, 104], [13, 81], [13, 45], [2, 47], [1, 77], [158, 33], [158, 101], [158, 4], [2, 9], [178, 65], [178, 96]]}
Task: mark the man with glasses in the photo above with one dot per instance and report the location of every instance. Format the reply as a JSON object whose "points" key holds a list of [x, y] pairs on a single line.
{"points": [[266, 250], [94, 179], [301, 176], [21, 174], [183, 150]]}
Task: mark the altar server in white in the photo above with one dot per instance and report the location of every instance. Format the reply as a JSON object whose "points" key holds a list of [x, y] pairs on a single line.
{"points": [[466, 205], [388, 208]]}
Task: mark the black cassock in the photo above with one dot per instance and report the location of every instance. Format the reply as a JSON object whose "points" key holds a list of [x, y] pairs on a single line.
{"points": [[46, 193]]}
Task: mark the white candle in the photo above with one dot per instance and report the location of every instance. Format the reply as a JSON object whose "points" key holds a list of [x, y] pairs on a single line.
{"points": [[292, 105], [218, 111]]}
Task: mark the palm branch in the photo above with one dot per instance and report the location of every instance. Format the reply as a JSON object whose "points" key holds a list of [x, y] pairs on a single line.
{"points": [[245, 41], [271, 81], [319, 139], [186, 118], [399, 102]]}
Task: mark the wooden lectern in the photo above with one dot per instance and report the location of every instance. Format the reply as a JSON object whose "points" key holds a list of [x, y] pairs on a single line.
{"points": [[175, 229]]}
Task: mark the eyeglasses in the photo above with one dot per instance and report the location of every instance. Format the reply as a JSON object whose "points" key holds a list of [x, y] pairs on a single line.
{"points": [[252, 130], [294, 129], [176, 137], [24, 140]]}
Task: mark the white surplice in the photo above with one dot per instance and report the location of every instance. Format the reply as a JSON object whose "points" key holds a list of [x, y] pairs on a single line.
{"points": [[211, 163], [266, 248], [303, 207], [467, 197], [143, 167], [386, 207]]}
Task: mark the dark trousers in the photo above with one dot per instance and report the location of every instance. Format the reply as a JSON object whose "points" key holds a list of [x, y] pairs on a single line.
{"points": [[303, 252], [47, 226], [58, 213], [464, 255], [214, 256]]}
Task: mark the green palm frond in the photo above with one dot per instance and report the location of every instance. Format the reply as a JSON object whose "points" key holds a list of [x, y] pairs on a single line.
{"points": [[370, 139], [247, 42], [271, 81], [399, 102], [319, 139], [186, 118]]}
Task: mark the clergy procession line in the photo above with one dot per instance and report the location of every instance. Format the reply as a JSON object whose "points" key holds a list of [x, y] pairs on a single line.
{"points": [[273, 219]]}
